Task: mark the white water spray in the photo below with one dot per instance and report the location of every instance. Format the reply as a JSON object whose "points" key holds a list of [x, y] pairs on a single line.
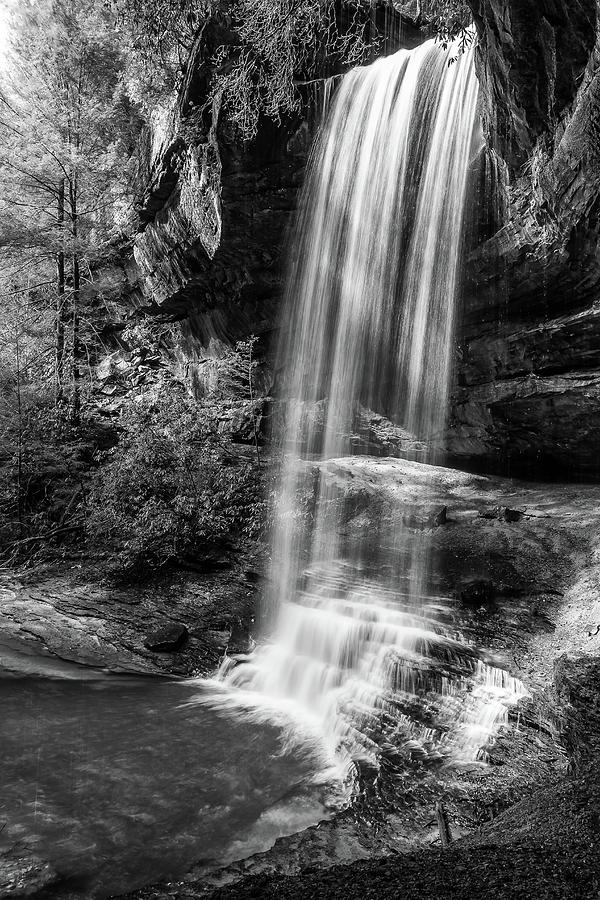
{"points": [[370, 661]]}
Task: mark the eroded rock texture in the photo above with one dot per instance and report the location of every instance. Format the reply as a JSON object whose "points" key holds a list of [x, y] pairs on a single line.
{"points": [[215, 212], [532, 54], [528, 380]]}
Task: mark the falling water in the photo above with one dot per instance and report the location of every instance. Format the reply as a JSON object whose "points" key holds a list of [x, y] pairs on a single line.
{"points": [[371, 660]]}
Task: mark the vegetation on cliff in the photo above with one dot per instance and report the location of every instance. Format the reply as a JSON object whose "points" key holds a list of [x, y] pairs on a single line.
{"points": [[258, 53], [174, 490]]}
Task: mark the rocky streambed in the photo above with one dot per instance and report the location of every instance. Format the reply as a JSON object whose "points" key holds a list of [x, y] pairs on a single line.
{"points": [[521, 565]]}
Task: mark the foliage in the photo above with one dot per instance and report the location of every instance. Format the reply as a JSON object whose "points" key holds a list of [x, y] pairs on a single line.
{"points": [[43, 476], [158, 35], [266, 48], [23, 415], [67, 129], [174, 488], [233, 377], [450, 21], [65, 116], [280, 43]]}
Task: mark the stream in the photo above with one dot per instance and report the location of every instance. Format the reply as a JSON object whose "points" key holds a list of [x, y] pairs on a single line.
{"points": [[117, 781]]}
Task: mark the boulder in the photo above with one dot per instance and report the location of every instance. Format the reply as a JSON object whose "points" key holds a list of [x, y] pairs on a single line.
{"points": [[424, 518], [510, 515], [167, 639]]}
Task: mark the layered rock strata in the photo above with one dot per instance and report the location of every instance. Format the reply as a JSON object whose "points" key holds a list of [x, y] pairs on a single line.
{"points": [[528, 382]]}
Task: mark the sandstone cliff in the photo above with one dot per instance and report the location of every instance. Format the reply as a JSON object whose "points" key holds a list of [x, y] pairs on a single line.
{"points": [[214, 212], [528, 380]]}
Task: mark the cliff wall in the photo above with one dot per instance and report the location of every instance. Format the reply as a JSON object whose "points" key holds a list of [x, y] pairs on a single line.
{"points": [[529, 372], [214, 214]]}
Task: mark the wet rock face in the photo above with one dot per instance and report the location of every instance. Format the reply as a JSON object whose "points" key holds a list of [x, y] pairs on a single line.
{"points": [[533, 426], [214, 212], [576, 682], [69, 624], [222, 270], [532, 54], [527, 384]]}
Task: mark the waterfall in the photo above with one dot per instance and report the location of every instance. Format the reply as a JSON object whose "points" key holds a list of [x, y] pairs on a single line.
{"points": [[358, 642]]}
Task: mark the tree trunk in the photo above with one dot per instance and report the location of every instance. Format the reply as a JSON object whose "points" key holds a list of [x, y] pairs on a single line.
{"points": [[60, 302], [443, 825], [76, 417], [20, 494], [77, 354]]}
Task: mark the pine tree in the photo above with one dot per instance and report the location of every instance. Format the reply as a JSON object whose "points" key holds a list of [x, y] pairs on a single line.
{"points": [[66, 131]]}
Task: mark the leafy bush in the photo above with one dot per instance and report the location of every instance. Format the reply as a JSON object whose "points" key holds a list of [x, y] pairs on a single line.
{"points": [[174, 489], [263, 48], [266, 48], [450, 20], [43, 465]]}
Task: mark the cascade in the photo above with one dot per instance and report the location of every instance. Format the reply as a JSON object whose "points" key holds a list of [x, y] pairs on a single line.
{"points": [[363, 649]]}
